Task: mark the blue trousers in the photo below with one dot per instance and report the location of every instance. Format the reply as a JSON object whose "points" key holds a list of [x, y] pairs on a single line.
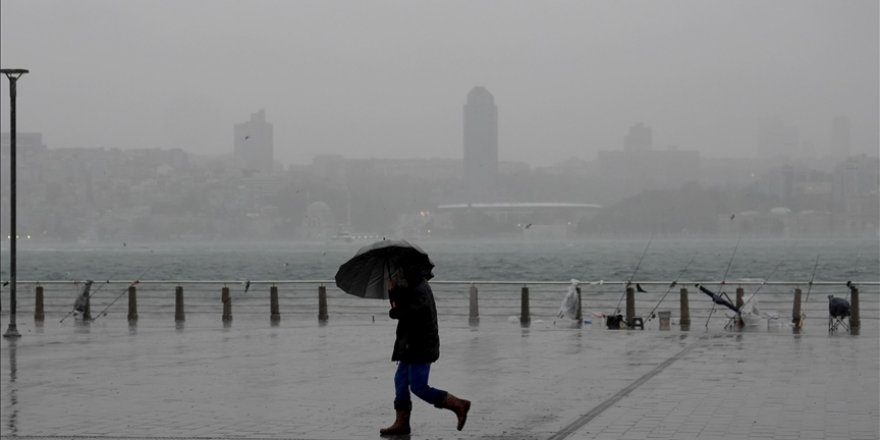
{"points": [[414, 377]]}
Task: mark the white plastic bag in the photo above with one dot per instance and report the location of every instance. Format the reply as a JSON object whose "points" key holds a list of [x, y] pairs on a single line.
{"points": [[569, 307]]}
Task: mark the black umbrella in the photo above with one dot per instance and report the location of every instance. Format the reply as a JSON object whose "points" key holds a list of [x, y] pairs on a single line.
{"points": [[838, 307], [718, 299], [366, 274]]}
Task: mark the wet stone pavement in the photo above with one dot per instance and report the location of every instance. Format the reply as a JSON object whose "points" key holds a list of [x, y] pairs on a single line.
{"points": [[306, 381]]}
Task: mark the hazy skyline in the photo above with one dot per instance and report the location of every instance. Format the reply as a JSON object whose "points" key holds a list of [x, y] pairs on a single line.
{"points": [[390, 79]]}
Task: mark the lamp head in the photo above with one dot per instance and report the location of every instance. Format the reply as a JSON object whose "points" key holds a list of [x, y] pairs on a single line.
{"points": [[13, 73]]}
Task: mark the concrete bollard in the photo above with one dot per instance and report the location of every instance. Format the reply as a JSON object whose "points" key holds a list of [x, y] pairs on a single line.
{"points": [[474, 312], [685, 321], [322, 304], [630, 306], [796, 309], [179, 315], [132, 304], [273, 304], [524, 316], [854, 320], [39, 315], [227, 304]]}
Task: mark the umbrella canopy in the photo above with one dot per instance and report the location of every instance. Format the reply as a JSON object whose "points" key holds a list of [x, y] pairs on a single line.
{"points": [[718, 299], [366, 274], [838, 307]]}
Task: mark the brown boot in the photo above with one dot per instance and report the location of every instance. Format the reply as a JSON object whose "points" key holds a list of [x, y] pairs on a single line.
{"points": [[459, 406], [401, 423]]}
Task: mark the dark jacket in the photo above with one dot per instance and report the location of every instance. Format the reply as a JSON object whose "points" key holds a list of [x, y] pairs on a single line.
{"points": [[418, 340]]}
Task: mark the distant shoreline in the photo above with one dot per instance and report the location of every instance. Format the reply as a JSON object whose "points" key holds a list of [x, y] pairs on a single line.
{"points": [[306, 244]]}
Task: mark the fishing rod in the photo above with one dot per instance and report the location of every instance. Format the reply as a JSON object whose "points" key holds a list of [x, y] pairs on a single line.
{"points": [[812, 277], [763, 283], [631, 277], [669, 289], [724, 278], [104, 312], [88, 296], [800, 323], [133, 283], [91, 294]]}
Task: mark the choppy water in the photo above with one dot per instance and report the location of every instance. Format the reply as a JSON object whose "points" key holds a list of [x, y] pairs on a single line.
{"points": [[857, 260]]}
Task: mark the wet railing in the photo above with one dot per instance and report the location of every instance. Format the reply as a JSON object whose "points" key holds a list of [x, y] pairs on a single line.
{"points": [[295, 302]]}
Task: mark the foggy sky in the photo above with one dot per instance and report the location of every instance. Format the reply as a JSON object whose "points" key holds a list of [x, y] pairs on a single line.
{"points": [[389, 79]]}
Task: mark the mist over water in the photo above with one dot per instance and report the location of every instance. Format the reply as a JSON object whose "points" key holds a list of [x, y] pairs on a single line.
{"points": [[587, 260], [560, 120]]}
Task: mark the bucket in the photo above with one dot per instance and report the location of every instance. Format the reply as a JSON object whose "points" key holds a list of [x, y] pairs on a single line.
{"points": [[664, 319]]}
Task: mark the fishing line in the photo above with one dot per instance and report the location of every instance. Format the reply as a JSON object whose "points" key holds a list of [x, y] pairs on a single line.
{"points": [[803, 316], [88, 297], [631, 277], [91, 294], [669, 289], [764, 283], [724, 278], [104, 312], [133, 283], [812, 277]]}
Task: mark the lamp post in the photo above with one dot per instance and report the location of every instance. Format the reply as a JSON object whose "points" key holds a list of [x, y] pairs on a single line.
{"points": [[13, 75]]}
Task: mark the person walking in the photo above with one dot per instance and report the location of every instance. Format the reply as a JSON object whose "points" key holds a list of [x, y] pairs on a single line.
{"points": [[416, 347]]}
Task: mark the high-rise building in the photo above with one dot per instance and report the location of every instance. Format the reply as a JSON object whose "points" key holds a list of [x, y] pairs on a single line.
{"points": [[840, 144], [480, 143], [639, 138], [254, 143], [639, 167]]}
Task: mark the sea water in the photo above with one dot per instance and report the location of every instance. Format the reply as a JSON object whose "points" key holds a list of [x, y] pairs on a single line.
{"points": [[463, 260]]}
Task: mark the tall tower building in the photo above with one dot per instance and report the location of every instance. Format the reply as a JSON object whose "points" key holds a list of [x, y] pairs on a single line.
{"points": [[480, 143], [840, 144], [254, 143]]}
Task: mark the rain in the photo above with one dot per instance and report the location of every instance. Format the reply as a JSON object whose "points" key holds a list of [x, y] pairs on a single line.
{"points": [[637, 219]]}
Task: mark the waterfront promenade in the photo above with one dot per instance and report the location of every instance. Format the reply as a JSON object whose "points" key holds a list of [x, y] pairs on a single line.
{"points": [[302, 380]]}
